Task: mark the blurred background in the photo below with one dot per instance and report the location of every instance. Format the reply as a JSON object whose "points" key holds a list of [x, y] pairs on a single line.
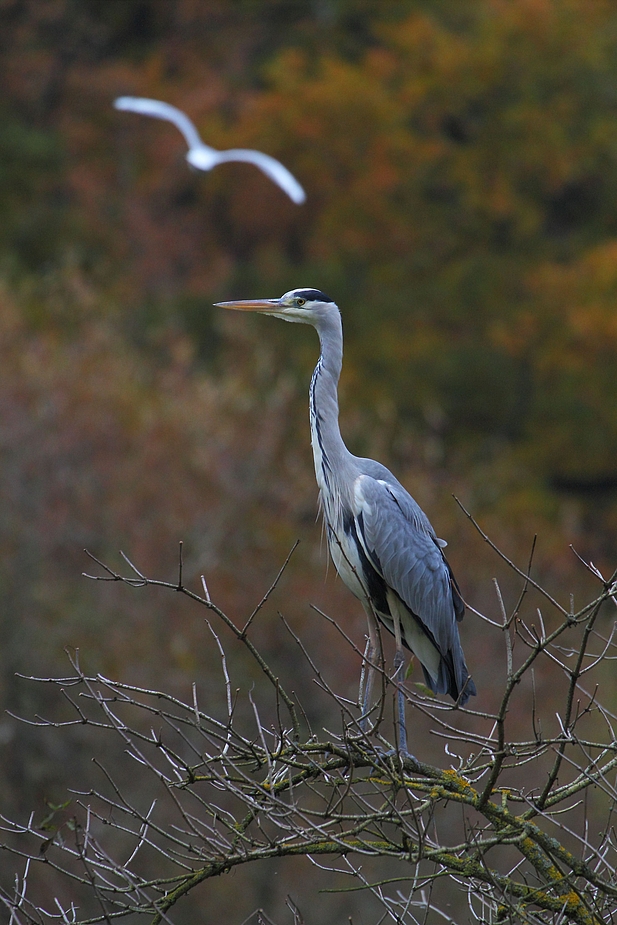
{"points": [[460, 163]]}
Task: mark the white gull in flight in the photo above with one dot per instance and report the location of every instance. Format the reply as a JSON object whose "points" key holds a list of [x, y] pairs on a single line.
{"points": [[202, 156]]}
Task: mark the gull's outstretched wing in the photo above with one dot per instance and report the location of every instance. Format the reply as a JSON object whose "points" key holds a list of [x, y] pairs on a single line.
{"points": [[202, 156], [160, 110], [408, 557], [270, 166]]}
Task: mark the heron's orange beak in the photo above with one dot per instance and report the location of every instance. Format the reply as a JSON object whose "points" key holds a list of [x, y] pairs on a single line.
{"points": [[251, 305]]}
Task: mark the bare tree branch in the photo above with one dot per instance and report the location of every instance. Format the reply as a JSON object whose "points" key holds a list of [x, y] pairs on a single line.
{"points": [[224, 793]]}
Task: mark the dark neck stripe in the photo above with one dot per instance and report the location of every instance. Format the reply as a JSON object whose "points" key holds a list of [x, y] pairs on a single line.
{"points": [[316, 422]]}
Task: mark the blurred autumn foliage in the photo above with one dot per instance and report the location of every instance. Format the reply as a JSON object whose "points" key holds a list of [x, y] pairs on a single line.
{"points": [[460, 162]]}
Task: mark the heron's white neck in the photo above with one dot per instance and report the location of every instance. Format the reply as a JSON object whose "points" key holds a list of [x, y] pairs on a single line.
{"points": [[330, 454]]}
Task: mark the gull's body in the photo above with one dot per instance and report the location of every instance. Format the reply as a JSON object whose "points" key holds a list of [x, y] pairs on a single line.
{"points": [[381, 542], [202, 156]]}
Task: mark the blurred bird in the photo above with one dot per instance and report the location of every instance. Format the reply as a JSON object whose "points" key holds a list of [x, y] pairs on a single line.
{"points": [[381, 542], [202, 156]]}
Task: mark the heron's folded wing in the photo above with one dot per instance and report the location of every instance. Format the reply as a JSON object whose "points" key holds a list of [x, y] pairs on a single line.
{"points": [[407, 556]]}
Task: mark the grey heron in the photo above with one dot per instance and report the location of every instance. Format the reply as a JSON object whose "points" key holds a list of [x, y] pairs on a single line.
{"points": [[202, 156], [381, 542]]}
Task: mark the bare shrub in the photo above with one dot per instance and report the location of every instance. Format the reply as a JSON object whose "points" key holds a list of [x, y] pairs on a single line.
{"points": [[520, 823]]}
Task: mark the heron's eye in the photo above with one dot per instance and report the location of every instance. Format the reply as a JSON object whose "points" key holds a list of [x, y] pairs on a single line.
{"points": [[300, 301]]}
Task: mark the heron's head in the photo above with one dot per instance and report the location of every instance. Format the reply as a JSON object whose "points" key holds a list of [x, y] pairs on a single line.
{"points": [[306, 306]]}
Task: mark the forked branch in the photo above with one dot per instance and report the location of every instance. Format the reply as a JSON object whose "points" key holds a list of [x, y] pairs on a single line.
{"points": [[228, 791]]}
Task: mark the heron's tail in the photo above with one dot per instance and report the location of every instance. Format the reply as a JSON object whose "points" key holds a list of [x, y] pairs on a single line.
{"points": [[453, 679]]}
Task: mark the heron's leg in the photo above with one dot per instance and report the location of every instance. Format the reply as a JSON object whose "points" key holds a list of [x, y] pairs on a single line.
{"points": [[363, 672], [399, 664], [367, 676]]}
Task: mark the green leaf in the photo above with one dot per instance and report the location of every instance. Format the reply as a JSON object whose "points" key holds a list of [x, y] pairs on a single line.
{"points": [[423, 689]]}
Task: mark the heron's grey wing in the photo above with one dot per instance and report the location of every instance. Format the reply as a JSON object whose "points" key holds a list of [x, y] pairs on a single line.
{"points": [[159, 110], [271, 167], [403, 549], [412, 512]]}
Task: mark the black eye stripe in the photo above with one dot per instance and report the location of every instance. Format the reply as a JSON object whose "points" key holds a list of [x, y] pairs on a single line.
{"points": [[313, 295]]}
